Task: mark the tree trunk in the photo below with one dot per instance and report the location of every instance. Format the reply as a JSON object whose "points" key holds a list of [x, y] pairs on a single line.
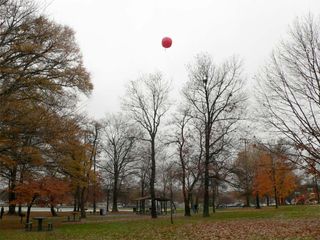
{"points": [[12, 209], [268, 200], [12, 194], [206, 173], [213, 196], [20, 182], [82, 203], [257, 201], [94, 169], [187, 211], [29, 209], [281, 201], [108, 199], [53, 211], [153, 178], [142, 203], [317, 189], [197, 204], [186, 199], [247, 200], [19, 209], [171, 201], [276, 196], [274, 182], [115, 193], [191, 199], [28, 213], [94, 204], [94, 197], [76, 200], [79, 201], [75, 203]]}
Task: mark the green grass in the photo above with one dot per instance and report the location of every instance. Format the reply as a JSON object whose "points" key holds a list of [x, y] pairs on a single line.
{"points": [[285, 212], [134, 228]]}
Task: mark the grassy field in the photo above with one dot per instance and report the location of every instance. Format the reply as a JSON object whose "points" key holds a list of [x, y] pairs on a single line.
{"points": [[290, 222]]}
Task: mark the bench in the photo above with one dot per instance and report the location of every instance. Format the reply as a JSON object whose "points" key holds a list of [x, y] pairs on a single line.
{"points": [[74, 216], [21, 215], [50, 226], [28, 226]]}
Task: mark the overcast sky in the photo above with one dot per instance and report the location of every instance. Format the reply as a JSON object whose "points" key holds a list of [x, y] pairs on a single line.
{"points": [[121, 39]]}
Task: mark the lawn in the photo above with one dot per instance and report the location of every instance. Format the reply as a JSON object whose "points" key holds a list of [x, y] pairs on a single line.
{"points": [[290, 222]]}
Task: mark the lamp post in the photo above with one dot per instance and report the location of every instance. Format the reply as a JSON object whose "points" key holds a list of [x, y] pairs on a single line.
{"points": [[246, 141]]}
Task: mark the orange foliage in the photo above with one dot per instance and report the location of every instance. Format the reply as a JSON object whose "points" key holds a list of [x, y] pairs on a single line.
{"points": [[44, 191], [95, 189], [274, 173]]}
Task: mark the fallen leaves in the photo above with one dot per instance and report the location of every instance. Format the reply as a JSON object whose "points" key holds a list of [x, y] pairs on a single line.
{"points": [[254, 229]]}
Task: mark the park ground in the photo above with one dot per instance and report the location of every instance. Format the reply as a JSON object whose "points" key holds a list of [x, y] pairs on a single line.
{"points": [[287, 222]]}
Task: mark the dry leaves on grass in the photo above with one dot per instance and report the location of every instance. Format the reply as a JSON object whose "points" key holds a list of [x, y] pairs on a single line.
{"points": [[237, 229], [255, 229]]}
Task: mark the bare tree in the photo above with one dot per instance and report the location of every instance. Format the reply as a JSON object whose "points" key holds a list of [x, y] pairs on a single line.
{"points": [[143, 168], [119, 138], [215, 94], [220, 174], [107, 186], [244, 170], [188, 139], [289, 90], [94, 132], [147, 102], [164, 165]]}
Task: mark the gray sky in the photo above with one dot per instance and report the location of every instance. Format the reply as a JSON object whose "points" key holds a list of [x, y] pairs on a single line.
{"points": [[121, 39]]}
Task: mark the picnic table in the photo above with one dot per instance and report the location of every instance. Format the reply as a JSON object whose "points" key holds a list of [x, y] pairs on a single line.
{"points": [[74, 214], [40, 220]]}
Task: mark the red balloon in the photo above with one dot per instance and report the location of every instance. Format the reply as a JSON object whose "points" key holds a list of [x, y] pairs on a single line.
{"points": [[166, 42]]}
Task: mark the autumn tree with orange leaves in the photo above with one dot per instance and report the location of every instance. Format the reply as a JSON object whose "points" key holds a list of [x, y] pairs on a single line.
{"points": [[244, 170], [44, 191], [41, 77], [75, 161], [274, 175]]}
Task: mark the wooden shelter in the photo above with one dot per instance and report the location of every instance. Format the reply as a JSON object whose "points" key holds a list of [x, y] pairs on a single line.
{"points": [[143, 205]]}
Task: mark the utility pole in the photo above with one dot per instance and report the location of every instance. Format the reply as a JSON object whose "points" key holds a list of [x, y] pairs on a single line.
{"points": [[273, 169], [246, 141]]}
